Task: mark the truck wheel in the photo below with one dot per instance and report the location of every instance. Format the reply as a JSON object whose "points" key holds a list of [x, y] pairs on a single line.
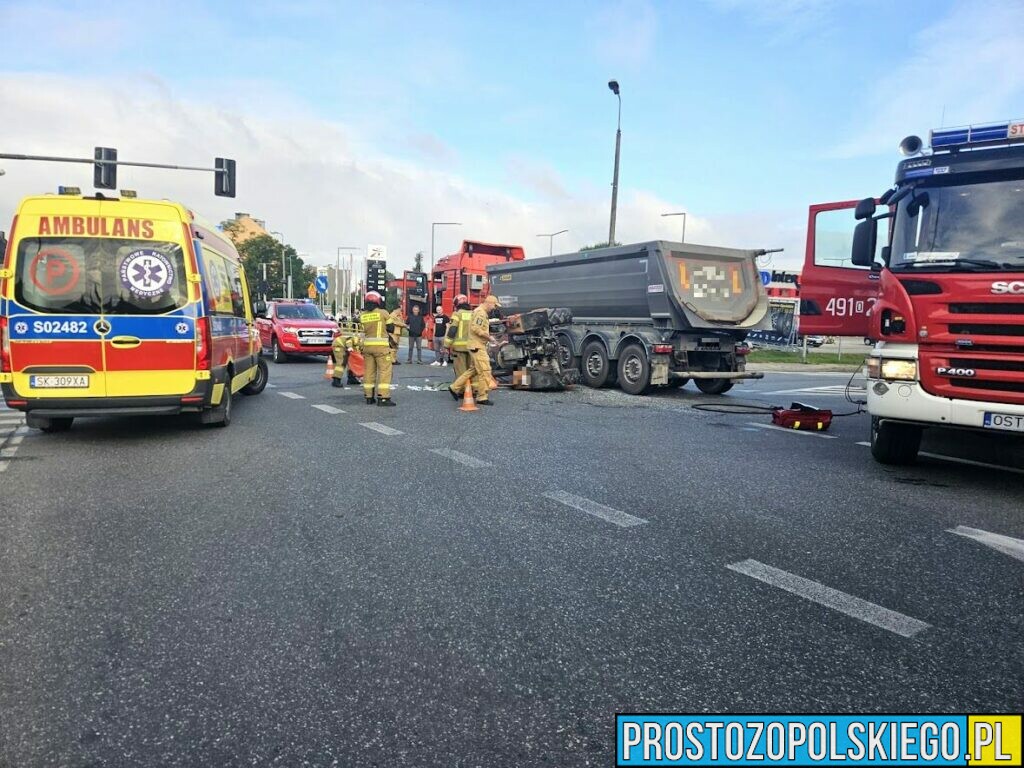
{"points": [[275, 352], [634, 370], [595, 370], [49, 425], [259, 383], [714, 386], [566, 358], [678, 383], [894, 443]]}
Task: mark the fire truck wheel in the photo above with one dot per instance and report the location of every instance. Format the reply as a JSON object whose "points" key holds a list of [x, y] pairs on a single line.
{"points": [[634, 370], [894, 443], [714, 386], [595, 369]]}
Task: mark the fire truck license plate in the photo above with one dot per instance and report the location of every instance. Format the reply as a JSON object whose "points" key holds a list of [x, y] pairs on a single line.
{"points": [[1004, 421], [58, 382]]}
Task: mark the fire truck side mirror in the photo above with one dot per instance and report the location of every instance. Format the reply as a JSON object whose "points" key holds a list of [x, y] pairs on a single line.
{"points": [[865, 209], [865, 237]]}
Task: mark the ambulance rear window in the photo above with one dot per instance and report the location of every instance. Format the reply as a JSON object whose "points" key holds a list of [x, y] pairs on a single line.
{"points": [[90, 275]]}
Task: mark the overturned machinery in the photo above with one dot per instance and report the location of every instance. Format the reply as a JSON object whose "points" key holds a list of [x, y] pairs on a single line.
{"points": [[525, 353]]}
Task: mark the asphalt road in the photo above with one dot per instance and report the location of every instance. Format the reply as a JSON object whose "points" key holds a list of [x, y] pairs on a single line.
{"points": [[421, 586]]}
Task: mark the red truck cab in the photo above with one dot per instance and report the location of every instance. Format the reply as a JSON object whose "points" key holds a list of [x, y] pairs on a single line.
{"points": [[293, 327], [936, 277]]}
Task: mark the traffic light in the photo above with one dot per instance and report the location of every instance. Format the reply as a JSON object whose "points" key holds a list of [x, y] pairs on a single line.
{"points": [[224, 177], [376, 275], [104, 175]]}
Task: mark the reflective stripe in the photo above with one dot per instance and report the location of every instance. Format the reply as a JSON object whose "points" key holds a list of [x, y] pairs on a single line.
{"points": [[462, 319], [374, 329]]}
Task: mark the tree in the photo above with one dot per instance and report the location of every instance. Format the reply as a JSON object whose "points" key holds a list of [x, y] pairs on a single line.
{"points": [[417, 265], [264, 249], [595, 246], [391, 295]]}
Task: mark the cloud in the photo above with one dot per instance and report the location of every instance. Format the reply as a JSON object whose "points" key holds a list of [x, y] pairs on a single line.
{"points": [[964, 65], [310, 180], [431, 147], [623, 32]]}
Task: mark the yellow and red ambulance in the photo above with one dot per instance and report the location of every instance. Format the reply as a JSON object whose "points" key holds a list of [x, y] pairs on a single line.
{"points": [[122, 307]]}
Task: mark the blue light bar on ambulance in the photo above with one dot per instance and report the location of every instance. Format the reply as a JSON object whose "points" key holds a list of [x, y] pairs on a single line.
{"points": [[1000, 133]]}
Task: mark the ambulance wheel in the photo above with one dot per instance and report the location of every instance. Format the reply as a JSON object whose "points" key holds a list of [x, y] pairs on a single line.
{"points": [[714, 386], [51, 425], [220, 416], [893, 443], [275, 352], [634, 370], [259, 383], [595, 368]]}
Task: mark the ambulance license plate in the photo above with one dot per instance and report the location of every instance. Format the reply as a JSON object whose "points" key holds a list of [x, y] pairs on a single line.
{"points": [[58, 382], [1004, 421]]}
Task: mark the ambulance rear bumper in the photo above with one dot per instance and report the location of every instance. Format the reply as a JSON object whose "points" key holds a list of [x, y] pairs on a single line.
{"points": [[163, 405]]}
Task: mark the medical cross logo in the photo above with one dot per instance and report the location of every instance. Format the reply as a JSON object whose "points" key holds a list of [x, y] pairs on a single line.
{"points": [[147, 273], [181, 328], [21, 328]]}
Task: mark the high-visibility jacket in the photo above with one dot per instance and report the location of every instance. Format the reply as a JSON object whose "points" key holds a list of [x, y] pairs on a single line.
{"points": [[479, 328], [375, 332], [461, 319]]}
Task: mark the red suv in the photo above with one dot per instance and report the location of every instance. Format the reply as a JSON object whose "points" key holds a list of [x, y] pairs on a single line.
{"points": [[293, 327]]}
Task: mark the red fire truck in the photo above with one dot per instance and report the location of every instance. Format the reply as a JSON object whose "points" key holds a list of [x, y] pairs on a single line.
{"points": [[466, 272], [936, 276]]}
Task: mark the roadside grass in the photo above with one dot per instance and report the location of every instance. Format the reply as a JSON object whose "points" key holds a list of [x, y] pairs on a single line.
{"points": [[813, 358]]}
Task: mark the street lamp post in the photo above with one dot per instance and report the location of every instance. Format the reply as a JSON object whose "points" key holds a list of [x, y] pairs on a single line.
{"points": [[683, 214], [433, 226], [344, 308], [284, 289], [613, 85], [551, 240]]}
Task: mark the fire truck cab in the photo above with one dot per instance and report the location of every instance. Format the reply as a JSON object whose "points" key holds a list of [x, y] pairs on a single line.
{"points": [[933, 271]]}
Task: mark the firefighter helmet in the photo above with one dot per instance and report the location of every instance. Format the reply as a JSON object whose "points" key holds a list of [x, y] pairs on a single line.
{"points": [[375, 297], [461, 299]]}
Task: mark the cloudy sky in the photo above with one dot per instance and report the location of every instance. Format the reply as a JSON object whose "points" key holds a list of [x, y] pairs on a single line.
{"points": [[356, 123]]}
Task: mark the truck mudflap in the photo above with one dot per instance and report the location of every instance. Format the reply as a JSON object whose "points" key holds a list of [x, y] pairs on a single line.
{"points": [[716, 375]]}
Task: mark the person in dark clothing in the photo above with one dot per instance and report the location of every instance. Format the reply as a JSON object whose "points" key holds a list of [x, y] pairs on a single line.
{"points": [[441, 353], [416, 325]]}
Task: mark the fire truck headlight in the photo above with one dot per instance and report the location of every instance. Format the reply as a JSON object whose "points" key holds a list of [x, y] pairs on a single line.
{"points": [[899, 370]]}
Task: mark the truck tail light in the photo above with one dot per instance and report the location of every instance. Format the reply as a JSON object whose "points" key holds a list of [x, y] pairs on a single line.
{"points": [[742, 349], [5, 347], [662, 349], [203, 344]]}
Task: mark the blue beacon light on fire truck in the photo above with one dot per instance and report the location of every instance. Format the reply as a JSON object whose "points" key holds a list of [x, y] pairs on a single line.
{"points": [[999, 133]]}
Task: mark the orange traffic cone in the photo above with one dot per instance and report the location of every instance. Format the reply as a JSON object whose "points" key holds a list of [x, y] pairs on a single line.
{"points": [[468, 403], [329, 373]]}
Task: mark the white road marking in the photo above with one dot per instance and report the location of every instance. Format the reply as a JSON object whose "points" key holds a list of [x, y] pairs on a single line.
{"points": [[23, 430], [328, 409], [382, 428], [867, 445], [901, 624], [968, 462], [16, 440], [619, 518], [3, 465], [9, 422], [271, 386], [292, 396], [835, 389], [791, 431], [1005, 544], [461, 458], [8, 453]]}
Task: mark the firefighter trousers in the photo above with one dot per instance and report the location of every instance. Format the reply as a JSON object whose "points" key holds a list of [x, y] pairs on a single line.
{"points": [[378, 371], [478, 371]]}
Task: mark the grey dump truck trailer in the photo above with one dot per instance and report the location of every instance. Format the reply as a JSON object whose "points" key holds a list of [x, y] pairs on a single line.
{"points": [[648, 315]]}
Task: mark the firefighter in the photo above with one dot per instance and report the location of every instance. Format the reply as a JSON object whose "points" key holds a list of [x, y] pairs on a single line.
{"points": [[457, 341], [397, 319], [479, 371], [341, 348], [377, 329]]}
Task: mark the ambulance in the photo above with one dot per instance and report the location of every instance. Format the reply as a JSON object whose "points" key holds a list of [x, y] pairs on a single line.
{"points": [[122, 307]]}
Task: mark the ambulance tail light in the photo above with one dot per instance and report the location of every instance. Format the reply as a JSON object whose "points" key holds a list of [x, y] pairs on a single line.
{"points": [[5, 347], [204, 343]]}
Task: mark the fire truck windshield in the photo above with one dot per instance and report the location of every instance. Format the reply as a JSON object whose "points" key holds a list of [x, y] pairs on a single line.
{"points": [[970, 227]]}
